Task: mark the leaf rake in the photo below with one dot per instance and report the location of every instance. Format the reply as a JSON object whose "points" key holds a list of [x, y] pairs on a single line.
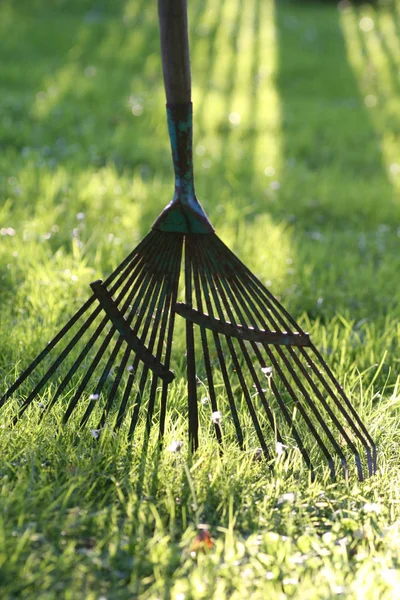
{"points": [[261, 370]]}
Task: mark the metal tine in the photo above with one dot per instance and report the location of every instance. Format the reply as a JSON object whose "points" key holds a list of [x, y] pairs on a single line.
{"points": [[371, 460], [269, 299], [110, 363], [170, 333], [282, 406], [133, 283], [221, 280], [138, 252], [74, 319], [206, 269], [193, 411], [342, 431], [220, 353], [75, 340], [206, 353], [129, 383], [361, 433], [358, 429], [280, 351], [167, 315], [149, 300], [240, 301], [301, 408], [162, 305]]}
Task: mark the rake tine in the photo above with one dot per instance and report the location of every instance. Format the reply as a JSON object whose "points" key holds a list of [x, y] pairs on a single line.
{"points": [[150, 298], [170, 300], [143, 293], [74, 319], [139, 270], [161, 305], [62, 357], [288, 418], [206, 353], [300, 407], [304, 393], [272, 303], [221, 358], [332, 395], [129, 384], [371, 460], [171, 324], [140, 291], [221, 280], [190, 356], [236, 363]]}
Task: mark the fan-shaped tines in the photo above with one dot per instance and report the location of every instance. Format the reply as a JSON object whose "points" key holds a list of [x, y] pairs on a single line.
{"points": [[102, 354], [265, 358]]}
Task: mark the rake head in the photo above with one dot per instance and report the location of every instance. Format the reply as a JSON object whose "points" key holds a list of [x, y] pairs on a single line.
{"points": [[118, 344], [267, 362], [261, 371]]}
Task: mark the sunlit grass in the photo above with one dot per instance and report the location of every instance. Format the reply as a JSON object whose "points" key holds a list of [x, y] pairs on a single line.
{"points": [[296, 145]]}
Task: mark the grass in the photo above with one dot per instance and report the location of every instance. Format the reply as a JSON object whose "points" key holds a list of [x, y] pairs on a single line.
{"points": [[297, 124]]}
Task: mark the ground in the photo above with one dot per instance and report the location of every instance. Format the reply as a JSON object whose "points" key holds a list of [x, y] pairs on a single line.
{"points": [[297, 125]]}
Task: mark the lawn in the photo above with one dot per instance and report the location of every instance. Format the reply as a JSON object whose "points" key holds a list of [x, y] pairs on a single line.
{"points": [[297, 160]]}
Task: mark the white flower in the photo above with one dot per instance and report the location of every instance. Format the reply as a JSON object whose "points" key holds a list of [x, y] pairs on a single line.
{"points": [[216, 417], [372, 507], [95, 433], [290, 497], [94, 397], [280, 448], [267, 371], [175, 446]]}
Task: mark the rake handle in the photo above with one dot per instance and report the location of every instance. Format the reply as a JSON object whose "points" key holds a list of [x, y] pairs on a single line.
{"points": [[172, 15]]}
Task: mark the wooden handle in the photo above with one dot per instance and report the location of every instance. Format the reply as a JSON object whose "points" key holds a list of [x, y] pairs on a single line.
{"points": [[172, 15]]}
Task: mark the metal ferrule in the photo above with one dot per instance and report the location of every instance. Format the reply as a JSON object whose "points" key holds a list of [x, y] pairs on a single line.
{"points": [[184, 213]]}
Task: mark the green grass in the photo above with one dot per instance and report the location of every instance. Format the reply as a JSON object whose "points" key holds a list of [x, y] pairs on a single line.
{"points": [[304, 185]]}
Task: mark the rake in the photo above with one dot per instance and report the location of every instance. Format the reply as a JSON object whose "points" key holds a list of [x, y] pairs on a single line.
{"points": [[265, 381]]}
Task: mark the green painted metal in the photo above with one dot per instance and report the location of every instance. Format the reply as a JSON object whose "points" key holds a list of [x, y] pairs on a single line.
{"points": [[184, 214]]}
